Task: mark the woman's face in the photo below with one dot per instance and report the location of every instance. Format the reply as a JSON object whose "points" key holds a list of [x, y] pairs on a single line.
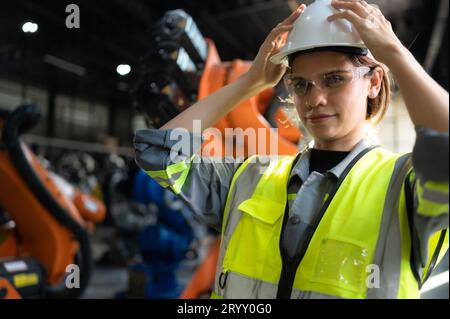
{"points": [[330, 115]]}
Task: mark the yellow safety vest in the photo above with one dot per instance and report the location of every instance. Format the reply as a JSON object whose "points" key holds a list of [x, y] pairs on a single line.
{"points": [[360, 249]]}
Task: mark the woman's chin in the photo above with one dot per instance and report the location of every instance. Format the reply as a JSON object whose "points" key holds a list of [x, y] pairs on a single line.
{"points": [[322, 133]]}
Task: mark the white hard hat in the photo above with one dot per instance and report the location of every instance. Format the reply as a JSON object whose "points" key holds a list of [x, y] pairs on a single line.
{"points": [[313, 32]]}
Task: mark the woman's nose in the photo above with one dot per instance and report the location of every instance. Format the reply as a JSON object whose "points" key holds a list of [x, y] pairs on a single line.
{"points": [[316, 97]]}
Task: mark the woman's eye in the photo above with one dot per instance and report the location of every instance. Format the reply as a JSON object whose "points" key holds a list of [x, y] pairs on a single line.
{"points": [[334, 80], [300, 85]]}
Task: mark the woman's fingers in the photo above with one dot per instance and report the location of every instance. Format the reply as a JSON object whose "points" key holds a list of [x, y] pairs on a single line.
{"points": [[354, 6], [359, 7], [347, 14], [375, 30], [278, 31], [360, 13], [282, 36], [282, 29], [262, 70], [291, 19], [284, 26]]}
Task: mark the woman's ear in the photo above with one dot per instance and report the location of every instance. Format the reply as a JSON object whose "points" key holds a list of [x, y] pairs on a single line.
{"points": [[375, 82]]}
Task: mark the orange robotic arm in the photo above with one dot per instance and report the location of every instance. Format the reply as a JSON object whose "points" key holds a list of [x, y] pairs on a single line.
{"points": [[49, 226]]}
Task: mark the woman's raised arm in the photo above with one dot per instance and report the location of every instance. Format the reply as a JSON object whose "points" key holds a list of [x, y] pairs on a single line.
{"points": [[261, 75]]}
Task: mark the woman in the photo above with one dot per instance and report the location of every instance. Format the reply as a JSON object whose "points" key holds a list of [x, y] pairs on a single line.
{"points": [[360, 221]]}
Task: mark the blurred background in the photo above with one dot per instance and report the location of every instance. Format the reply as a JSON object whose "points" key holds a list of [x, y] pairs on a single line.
{"points": [[75, 95]]}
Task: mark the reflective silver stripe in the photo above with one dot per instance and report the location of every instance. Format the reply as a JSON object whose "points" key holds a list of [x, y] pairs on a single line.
{"points": [[175, 177], [388, 253], [435, 196], [300, 294], [242, 287], [247, 182], [426, 226]]}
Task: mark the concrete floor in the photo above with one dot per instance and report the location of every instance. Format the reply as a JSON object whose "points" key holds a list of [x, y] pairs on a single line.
{"points": [[106, 282]]}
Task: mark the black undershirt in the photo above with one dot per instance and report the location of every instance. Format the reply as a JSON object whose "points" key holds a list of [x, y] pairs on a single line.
{"points": [[322, 161]]}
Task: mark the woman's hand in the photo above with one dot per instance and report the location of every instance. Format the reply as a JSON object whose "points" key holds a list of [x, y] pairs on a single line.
{"points": [[263, 73], [375, 30], [425, 99]]}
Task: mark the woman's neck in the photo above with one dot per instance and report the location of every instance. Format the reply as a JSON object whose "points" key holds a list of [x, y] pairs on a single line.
{"points": [[343, 144]]}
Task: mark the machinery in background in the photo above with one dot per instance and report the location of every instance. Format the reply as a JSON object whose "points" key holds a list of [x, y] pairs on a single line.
{"points": [[109, 178], [125, 217], [80, 169], [44, 221], [163, 244], [171, 70], [183, 67]]}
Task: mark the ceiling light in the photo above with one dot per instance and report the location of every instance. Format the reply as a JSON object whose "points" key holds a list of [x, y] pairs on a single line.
{"points": [[123, 69], [29, 27]]}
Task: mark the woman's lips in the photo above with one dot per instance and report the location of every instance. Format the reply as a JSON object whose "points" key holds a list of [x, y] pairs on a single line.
{"points": [[320, 118]]}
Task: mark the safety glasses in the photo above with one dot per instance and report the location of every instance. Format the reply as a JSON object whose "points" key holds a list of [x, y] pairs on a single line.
{"points": [[326, 82]]}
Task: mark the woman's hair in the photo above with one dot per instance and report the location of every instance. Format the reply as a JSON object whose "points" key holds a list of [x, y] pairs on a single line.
{"points": [[377, 107]]}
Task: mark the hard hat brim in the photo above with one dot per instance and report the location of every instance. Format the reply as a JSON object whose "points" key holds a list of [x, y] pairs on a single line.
{"points": [[354, 50]]}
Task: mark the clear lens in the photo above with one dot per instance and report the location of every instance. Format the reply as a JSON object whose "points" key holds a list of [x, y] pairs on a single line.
{"points": [[325, 82], [299, 86]]}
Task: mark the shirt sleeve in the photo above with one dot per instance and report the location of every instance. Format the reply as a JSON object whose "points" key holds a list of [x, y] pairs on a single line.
{"points": [[430, 180], [168, 156]]}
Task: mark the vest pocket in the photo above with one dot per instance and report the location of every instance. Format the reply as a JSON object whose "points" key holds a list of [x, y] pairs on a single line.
{"points": [[253, 249], [342, 263], [262, 209]]}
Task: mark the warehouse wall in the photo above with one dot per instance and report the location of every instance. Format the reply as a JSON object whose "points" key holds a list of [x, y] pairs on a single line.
{"points": [[76, 119], [396, 131], [11, 97]]}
